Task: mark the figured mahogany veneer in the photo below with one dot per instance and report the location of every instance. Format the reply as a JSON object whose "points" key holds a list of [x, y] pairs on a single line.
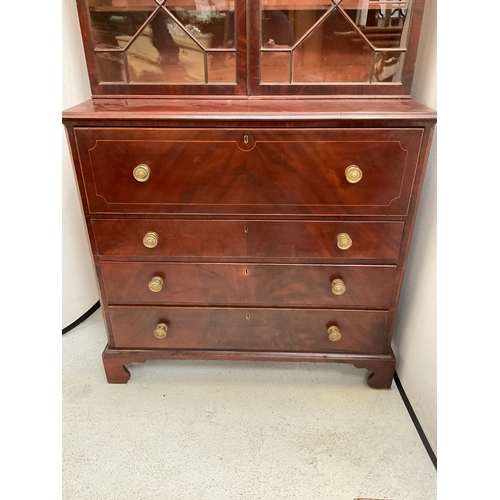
{"points": [[259, 171], [247, 199], [249, 329], [271, 285], [250, 240]]}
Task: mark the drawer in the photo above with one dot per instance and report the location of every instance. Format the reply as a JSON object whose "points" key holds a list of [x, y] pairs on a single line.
{"points": [[254, 171], [259, 240], [273, 285], [248, 329]]}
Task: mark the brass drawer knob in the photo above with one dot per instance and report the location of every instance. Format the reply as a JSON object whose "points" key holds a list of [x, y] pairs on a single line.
{"points": [[334, 333], [142, 173], [338, 287], [344, 241], [353, 174], [150, 240], [161, 331], [156, 284]]}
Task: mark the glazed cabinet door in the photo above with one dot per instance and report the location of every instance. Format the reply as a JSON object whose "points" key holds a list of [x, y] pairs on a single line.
{"points": [[332, 46], [289, 47], [155, 47]]}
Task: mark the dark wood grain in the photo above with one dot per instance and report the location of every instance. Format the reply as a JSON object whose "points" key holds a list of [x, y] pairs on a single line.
{"points": [[115, 369], [318, 240], [218, 112], [249, 240], [382, 371], [196, 171], [413, 41], [271, 285], [381, 364], [249, 329]]}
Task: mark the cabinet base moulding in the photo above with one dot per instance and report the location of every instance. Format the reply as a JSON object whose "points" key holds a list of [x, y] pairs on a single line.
{"points": [[381, 367]]}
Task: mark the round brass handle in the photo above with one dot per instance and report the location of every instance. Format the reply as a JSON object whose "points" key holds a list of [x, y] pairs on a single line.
{"points": [[142, 173], [161, 331], [344, 241], [150, 240], [156, 284], [334, 333], [353, 174], [338, 287]]}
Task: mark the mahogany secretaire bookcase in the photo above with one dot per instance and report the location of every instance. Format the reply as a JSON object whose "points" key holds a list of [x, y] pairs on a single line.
{"points": [[249, 173]]}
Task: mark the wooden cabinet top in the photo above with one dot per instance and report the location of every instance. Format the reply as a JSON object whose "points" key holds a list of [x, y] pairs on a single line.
{"points": [[251, 109]]}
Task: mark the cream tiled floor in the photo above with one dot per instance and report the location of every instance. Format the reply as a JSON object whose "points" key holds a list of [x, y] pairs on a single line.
{"points": [[182, 430]]}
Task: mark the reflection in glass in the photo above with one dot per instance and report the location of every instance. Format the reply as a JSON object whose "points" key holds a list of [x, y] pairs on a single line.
{"points": [[112, 18], [111, 67], [191, 55], [275, 67], [222, 67], [208, 20], [384, 23], [333, 52], [156, 43], [276, 29], [387, 66], [334, 40]]}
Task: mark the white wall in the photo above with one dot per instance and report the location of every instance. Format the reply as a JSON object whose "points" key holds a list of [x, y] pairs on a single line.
{"points": [[79, 289], [415, 334]]}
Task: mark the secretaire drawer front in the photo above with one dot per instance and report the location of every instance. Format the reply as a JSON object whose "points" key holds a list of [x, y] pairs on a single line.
{"points": [[294, 285], [154, 239], [254, 171], [248, 329]]}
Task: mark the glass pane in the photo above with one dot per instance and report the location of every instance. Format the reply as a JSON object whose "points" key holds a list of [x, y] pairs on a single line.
{"points": [[333, 52], [222, 67], [212, 22], [112, 18], [277, 29], [165, 43], [111, 67], [164, 53], [335, 40], [275, 67], [388, 67], [384, 23]]}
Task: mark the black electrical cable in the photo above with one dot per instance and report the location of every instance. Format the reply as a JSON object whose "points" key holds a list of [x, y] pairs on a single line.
{"points": [[404, 397], [416, 423], [82, 318]]}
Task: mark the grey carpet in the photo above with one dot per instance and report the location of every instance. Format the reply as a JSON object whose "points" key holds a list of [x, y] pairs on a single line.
{"points": [[182, 430]]}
